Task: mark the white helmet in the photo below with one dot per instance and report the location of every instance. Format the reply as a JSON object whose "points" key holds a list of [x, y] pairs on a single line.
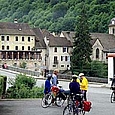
{"points": [[81, 74], [49, 75], [74, 76]]}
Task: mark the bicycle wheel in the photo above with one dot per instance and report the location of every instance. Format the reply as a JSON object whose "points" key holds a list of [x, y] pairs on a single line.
{"points": [[59, 101], [80, 111], [46, 100], [68, 110], [112, 97]]}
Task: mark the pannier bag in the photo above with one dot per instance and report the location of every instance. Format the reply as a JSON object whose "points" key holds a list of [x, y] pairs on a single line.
{"points": [[77, 102], [86, 105], [55, 89]]}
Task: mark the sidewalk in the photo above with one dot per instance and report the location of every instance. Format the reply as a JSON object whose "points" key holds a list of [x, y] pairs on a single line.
{"points": [[95, 84]]}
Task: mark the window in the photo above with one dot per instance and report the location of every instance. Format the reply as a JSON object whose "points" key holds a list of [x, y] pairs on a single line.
{"points": [[62, 65], [55, 60], [7, 38], [97, 53], [2, 38], [2, 47], [22, 38], [16, 47], [55, 49], [54, 65], [67, 65], [16, 38], [64, 49], [68, 68], [28, 39], [15, 64], [66, 59], [28, 47], [7, 47], [22, 47], [35, 64], [62, 58]]}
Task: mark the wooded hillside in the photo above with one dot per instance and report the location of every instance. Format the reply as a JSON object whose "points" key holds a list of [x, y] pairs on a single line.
{"points": [[58, 15]]}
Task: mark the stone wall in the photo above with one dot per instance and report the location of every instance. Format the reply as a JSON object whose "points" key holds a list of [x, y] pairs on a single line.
{"points": [[90, 79]]}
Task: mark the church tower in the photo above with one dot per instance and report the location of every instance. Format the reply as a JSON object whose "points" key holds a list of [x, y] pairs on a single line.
{"points": [[112, 26]]}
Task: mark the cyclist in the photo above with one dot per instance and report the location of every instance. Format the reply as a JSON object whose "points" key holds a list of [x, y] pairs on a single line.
{"points": [[75, 89], [55, 77], [83, 84], [113, 86], [74, 86], [113, 82], [47, 84]]}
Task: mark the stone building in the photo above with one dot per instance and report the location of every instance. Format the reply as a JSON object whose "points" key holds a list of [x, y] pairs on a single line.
{"points": [[17, 43]]}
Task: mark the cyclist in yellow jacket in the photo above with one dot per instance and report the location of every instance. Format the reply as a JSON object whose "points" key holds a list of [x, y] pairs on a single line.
{"points": [[83, 84]]}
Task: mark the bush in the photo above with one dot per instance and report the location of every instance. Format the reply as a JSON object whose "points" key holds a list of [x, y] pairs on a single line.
{"points": [[24, 87], [98, 69], [93, 69], [23, 65], [2, 85]]}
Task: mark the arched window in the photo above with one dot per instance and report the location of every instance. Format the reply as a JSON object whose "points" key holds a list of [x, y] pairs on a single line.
{"points": [[97, 53]]}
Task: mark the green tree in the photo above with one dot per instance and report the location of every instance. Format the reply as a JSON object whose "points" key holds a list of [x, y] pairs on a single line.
{"points": [[82, 47], [59, 10]]}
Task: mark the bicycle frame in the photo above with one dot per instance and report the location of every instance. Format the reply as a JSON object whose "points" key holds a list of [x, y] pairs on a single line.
{"points": [[75, 107]]}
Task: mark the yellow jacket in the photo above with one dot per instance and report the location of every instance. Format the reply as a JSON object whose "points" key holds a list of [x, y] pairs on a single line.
{"points": [[84, 84]]}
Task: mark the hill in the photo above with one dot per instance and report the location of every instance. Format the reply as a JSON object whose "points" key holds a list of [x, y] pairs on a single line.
{"points": [[58, 15]]}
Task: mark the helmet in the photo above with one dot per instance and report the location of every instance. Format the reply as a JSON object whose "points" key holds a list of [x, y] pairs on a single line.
{"points": [[81, 74], [49, 75], [74, 76]]}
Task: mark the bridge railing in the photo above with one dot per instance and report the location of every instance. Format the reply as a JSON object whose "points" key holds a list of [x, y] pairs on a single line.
{"points": [[22, 70], [60, 76]]}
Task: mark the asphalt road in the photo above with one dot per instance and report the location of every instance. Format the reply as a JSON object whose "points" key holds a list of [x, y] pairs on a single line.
{"points": [[27, 107], [100, 98]]}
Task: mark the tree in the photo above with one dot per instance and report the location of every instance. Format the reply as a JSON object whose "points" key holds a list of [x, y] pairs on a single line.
{"points": [[59, 10], [82, 47]]}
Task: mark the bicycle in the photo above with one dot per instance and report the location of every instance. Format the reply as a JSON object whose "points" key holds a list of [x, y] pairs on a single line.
{"points": [[56, 97], [113, 94], [75, 107]]}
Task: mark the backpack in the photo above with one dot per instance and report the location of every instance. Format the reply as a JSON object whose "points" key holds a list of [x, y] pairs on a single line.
{"points": [[87, 105]]}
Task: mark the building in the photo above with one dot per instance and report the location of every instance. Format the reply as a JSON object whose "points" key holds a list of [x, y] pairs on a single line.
{"points": [[17, 42], [102, 43], [58, 52]]}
